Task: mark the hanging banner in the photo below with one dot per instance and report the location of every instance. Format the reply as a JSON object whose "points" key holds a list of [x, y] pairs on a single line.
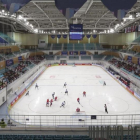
{"points": [[83, 36], [119, 7], [20, 58], [69, 7], [82, 52], [64, 53], [9, 62], [59, 36], [52, 36], [73, 52], [88, 36], [129, 58], [94, 36], [65, 36], [14, 5]]}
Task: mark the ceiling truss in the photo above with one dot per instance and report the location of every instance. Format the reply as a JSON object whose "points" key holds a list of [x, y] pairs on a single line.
{"points": [[44, 15]]}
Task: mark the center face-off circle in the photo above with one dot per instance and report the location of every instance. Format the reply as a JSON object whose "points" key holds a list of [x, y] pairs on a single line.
{"points": [[114, 104]]}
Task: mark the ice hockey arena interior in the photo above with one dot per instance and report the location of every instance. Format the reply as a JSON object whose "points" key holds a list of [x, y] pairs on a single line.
{"points": [[69, 69]]}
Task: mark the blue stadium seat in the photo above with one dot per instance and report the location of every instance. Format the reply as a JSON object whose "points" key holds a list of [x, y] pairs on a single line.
{"points": [[108, 57], [49, 57], [85, 57], [57, 47], [98, 46], [78, 47], [48, 46], [90, 46], [73, 57], [70, 47], [61, 56], [98, 57]]}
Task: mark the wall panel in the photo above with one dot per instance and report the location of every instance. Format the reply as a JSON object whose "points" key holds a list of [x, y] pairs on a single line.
{"points": [[117, 38], [84, 40], [111, 53], [94, 40], [63, 40], [73, 41], [51, 40]]}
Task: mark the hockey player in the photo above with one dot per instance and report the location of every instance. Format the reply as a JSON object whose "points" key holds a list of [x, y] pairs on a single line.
{"points": [[53, 95], [51, 102], [27, 93], [106, 109], [84, 94], [78, 109], [66, 91], [36, 86], [104, 83], [55, 98], [47, 103], [65, 84], [63, 104], [78, 100]]}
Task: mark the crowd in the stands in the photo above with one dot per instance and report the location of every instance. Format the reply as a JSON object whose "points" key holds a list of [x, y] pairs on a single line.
{"points": [[127, 65], [122, 79], [36, 59], [13, 72]]}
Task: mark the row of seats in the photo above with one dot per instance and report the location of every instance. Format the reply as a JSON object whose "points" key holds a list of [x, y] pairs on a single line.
{"points": [[125, 137], [71, 47], [85, 57], [75, 57], [44, 137], [60, 56], [126, 66], [107, 58], [98, 57], [61, 137]]}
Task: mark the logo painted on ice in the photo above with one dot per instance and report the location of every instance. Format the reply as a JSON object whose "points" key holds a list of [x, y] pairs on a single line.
{"points": [[52, 76]]}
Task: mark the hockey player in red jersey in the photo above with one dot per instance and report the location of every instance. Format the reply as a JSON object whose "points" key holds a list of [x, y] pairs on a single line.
{"points": [[78, 100], [51, 102], [55, 98], [47, 103], [78, 109], [84, 94]]}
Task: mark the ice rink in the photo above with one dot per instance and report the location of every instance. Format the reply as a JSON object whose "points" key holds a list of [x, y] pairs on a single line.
{"points": [[79, 79]]}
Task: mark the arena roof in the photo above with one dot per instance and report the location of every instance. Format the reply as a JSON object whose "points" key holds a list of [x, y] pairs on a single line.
{"points": [[44, 17]]}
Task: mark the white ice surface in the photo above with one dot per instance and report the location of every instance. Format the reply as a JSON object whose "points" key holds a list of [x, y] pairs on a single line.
{"points": [[79, 79]]}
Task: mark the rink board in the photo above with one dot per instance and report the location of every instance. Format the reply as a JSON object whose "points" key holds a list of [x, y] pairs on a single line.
{"points": [[53, 79]]}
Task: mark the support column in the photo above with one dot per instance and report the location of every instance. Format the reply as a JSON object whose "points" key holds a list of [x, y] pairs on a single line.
{"points": [[57, 40], [88, 40], [47, 39], [67, 38]]}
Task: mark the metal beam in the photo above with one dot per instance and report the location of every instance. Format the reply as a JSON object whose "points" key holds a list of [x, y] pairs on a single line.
{"points": [[91, 2], [43, 12], [68, 28], [59, 18]]}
